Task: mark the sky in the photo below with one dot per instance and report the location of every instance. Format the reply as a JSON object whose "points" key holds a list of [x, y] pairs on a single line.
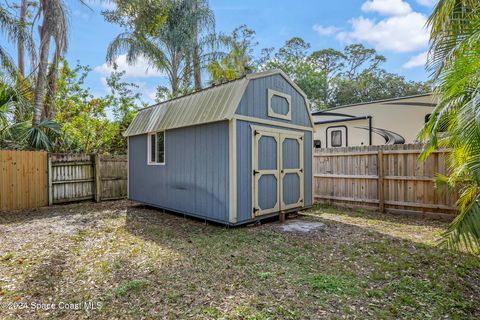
{"points": [[395, 28]]}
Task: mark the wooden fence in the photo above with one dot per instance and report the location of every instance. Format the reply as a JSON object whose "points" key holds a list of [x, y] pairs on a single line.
{"points": [[30, 179], [386, 178], [76, 177], [23, 179]]}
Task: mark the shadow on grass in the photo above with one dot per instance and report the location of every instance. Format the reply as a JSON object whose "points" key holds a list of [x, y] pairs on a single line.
{"points": [[414, 220], [84, 208]]}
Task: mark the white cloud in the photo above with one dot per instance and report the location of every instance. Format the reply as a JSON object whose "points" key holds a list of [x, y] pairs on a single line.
{"points": [[140, 69], [403, 33], [148, 92], [80, 14], [387, 7], [427, 3], [102, 4], [416, 61], [325, 31]]}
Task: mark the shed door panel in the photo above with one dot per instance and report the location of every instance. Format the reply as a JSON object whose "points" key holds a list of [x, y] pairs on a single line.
{"points": [[291, 173], [266, 173]]}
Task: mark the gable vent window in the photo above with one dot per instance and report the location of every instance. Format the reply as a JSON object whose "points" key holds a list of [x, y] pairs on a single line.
{"points": [[156, 148], [279, 105], [317, 144]]}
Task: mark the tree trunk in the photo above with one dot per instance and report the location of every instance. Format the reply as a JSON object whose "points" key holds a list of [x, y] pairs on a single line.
{"points": [[41, 77], [174, 84], [187, 74], [197, 68], [49, 109], [20, 46], [175, 76]]}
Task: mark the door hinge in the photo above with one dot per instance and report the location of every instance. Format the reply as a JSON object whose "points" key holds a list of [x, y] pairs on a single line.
{"points": [[255, 132], [301, 170], [255, 172]]}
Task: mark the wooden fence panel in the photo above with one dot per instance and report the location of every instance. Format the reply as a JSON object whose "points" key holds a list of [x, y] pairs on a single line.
{"points": [[113, 177], [72, 177], [382, 177], [23, 179]]}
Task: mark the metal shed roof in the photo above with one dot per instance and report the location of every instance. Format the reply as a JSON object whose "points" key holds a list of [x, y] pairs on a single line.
{"points": [[212, 104]]}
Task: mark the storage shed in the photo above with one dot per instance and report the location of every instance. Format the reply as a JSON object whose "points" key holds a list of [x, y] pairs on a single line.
{"points": [[231, 153]]}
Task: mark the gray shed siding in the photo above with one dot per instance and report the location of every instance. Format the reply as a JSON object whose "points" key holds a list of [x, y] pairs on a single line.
{"points": [[244, 168], [254, 101], [194, 179]]}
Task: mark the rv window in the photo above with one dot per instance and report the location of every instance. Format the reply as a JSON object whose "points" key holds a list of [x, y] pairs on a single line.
{"points": [[317, 144], [156, 148], [336, 138]]}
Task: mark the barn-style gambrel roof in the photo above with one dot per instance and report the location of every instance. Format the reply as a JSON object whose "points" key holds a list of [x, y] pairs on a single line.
{"points": [[211, 104]]}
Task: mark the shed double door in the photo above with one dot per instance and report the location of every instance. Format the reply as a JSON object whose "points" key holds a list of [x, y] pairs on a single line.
{"points": [[277, 170]]}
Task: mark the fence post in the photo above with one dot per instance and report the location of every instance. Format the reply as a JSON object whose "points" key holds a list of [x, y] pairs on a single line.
{"points": [[98, 181], [50, 179], [381, 181]]}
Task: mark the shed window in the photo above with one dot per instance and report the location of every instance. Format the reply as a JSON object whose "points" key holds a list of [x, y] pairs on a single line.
{"points": [[336, 136], [156, 148]]}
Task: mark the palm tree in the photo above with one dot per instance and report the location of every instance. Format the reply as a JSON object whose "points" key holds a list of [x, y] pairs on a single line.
{"points": [[15, 32], [203, 21], [172, 48], [20, 44], [238, 59], [455, 66], [54, 26]]}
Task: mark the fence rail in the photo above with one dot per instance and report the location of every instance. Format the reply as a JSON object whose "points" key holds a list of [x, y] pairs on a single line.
{"points": [[30, 179], [387, 178]]}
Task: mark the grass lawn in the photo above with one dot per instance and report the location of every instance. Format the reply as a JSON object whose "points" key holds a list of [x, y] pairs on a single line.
{"points": [[138, 262]]}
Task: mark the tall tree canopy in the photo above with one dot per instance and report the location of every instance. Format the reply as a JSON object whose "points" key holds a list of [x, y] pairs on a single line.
{"points": [[234, 55], [330, 77], [172, 42]]}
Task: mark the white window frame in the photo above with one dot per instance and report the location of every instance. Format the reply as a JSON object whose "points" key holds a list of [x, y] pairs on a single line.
{"points": [[149, 147], [271, 112]]}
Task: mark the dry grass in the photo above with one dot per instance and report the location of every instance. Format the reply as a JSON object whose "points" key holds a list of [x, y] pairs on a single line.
{"points": [[139, 262]]}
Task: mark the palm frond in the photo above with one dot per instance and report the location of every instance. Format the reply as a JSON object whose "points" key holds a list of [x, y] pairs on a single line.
{"points": [[43, 136]]}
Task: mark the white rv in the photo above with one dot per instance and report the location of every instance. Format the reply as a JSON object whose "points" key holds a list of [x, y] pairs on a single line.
{"points": [[391, 121]]}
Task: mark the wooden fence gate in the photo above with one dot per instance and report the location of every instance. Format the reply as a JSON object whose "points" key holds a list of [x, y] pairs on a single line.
{"points": [[76, 177], [387, 178]]}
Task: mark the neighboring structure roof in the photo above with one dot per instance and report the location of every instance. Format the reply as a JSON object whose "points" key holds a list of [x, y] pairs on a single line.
{"points": [[211, 104], [384, 101]]}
